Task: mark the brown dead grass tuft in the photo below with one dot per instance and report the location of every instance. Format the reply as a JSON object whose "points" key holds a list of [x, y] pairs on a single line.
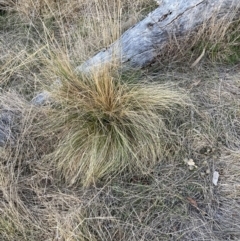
{"points": [[106, 125]]}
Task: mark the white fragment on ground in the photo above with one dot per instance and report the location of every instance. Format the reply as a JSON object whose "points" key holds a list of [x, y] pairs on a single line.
{"points": [[215, 178], [158, 2], [191, 164]]}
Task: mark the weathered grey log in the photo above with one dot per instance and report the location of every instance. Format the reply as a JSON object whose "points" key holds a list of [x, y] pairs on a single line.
{"points": [[140, 44]]}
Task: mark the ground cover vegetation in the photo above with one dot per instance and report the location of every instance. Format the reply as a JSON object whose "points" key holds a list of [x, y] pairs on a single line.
{"points": [[116, 154]]}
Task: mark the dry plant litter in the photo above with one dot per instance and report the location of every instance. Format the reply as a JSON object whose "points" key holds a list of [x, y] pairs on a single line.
{"points": [[42, 195]]}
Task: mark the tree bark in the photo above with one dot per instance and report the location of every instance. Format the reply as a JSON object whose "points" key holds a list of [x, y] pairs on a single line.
{"points": [[143, 42]]}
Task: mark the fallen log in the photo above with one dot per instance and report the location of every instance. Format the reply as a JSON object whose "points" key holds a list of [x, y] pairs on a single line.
{"points": [[143, 42]]}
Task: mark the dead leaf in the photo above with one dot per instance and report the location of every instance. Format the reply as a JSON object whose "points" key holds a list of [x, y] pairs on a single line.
{"points": [[192, 202]]}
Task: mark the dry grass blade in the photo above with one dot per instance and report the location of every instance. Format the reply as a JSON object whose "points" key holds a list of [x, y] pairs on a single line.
{"points": [[112, 127]]}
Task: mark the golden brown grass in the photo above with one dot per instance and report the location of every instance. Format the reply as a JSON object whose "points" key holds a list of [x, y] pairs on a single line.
{"points": [[106, 125], [142, 197]]}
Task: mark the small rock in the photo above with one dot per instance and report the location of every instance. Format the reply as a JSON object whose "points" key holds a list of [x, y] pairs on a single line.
{"points": [[202, 174], [205, 163], [41, 98], [215, 178], [44, 98], [208, 171], [191, 168]]}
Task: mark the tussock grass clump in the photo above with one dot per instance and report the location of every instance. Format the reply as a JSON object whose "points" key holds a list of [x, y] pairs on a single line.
{"points": [[106, 125]]}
